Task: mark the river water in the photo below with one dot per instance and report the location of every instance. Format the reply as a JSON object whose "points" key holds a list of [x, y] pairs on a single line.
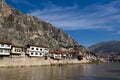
{"points": [[104, 71]]}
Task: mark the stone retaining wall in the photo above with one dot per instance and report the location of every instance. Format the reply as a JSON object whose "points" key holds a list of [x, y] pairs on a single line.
{"points": [[26, 61]]}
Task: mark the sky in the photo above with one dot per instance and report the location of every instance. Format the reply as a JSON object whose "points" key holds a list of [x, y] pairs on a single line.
{"points": [[87, 21]]}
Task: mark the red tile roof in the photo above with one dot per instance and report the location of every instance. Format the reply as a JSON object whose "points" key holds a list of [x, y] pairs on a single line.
{"points": [[56, 51], [38, 46], [18, 46], [5, 42]]}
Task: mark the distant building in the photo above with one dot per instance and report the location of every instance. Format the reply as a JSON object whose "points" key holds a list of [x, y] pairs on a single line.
{"points": [[18, 51], [56, 54], [37, 51], [60, 54], [5, 48], [67, 55]]}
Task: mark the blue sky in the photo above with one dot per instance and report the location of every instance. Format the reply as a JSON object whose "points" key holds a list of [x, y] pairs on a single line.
{"points": [[87, 21]]}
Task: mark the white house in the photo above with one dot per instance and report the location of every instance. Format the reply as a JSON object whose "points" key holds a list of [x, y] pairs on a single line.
{"points": [[56, 54], [5, 48], [18, 51], [37, 51]]}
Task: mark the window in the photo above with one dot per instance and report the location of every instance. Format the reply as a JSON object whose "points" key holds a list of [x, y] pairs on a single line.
{"points": [[31, 53], [36, 48], [46, 49], [36, 53], [6, 51], [40, 49], [8, 45], [32, 48], [1, 51], [15, 50], [2, 45], [22, 50], [19, 50], [40, 53]]}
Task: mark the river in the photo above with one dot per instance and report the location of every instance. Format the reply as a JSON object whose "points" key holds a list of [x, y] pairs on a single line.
{"points": [[102, 71]]}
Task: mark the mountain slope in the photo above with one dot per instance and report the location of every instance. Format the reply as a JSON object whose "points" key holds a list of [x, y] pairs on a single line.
{"points": [[24, 29], [106, 47]]}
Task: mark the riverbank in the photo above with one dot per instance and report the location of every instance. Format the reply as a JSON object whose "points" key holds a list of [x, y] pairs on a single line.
{"points": [[28, 62]]}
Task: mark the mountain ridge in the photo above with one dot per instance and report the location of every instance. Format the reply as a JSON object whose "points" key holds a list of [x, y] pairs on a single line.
{"points": [[107, 47]]}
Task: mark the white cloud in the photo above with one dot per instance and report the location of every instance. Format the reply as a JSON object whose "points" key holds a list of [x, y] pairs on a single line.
{"points": [[91, 17]]}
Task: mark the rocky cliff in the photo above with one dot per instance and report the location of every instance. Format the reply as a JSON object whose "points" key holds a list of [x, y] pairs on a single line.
{"points": [[23, 29]]}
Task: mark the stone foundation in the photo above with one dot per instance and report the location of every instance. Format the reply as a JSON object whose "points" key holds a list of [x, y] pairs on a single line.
{"points": [[26, 61]]}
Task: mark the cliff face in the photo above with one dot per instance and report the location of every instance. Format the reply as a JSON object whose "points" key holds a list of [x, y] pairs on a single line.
{"points": [[24, 29]]}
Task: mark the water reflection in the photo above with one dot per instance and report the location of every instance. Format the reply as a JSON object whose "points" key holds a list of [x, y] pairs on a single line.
{"points": [[110, 71], [115, 71]]}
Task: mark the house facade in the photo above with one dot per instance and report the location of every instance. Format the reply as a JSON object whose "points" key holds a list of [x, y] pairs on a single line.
{"points": [[56, 54], [18, 51], [37, 51], [67, 55], [5, 48]]}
